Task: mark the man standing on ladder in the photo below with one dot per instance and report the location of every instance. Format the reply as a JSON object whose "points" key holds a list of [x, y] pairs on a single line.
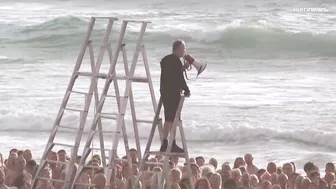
{"points": [[172, 82]]}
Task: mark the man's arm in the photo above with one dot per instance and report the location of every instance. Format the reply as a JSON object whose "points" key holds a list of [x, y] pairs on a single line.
{"points": [[180, 77]]}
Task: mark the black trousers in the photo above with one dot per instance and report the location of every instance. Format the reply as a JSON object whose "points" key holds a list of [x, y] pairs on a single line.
{"points": [[170, 105]]}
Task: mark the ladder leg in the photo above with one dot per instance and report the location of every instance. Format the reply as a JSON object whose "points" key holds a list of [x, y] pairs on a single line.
{"points": [[171, 138], [186, 155], [93, 68], [130, 74], [69, 179], [134, 117], [65, 100]]}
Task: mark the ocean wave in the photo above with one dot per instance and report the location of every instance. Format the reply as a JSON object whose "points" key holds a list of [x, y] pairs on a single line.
{"points": [[225, 133], [238, 41]]}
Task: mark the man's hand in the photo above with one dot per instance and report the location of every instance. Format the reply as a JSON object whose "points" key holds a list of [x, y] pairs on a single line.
{"points": [[186, 65]]}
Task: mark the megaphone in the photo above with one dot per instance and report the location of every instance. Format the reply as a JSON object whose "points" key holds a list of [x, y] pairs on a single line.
{"points": [[200, 67]]}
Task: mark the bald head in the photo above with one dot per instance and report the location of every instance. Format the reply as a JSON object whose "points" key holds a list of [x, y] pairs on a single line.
{"points": [[248, 158], [213, 162]]}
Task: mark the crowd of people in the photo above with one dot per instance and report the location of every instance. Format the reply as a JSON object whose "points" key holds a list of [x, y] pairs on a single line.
{"points": [[19, 169]]}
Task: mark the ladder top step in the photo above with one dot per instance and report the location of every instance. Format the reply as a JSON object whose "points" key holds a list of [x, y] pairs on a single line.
{"points": [[165, 153], [138, 21], [105, 17]]}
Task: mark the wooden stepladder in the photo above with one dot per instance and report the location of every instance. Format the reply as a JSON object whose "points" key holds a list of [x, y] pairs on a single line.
{"points": [[82, 113], [176, 124], [122, 103]]}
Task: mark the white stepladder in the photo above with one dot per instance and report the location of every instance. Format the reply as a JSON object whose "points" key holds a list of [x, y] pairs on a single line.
{"points": [[83, 112], [122, 103], [176, 123]]}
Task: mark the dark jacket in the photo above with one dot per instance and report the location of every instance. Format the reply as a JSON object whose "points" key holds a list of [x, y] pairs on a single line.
{"points": [[172, 80]]}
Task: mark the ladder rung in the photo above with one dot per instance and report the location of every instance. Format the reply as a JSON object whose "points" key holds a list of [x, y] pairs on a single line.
{"points": [[60, 144], [105, 17], [57, 162], [89, 74], [114, 96], [79, 92], [67, 127], [108, 132], [154, 163], [92, 148], [137, 21], [72, 109], [165, 153], [111, 113], [144, 121], [134, 79], [50, 179], [108, 117]]}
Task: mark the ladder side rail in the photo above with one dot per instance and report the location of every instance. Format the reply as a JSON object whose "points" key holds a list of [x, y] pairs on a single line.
{"points": [[103, 95], [93, 85], [95, 69], [151, 89], [65, 100], [144, 160], [171, 138], [186, 155], [132, 105], [120, 117], [149, 77], [73, 78]]}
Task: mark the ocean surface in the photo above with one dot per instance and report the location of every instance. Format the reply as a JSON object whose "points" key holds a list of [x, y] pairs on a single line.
{"points": [[269, 88]]}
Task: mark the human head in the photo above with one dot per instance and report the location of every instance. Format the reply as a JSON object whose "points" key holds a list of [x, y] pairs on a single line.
{"points": [[271, 167], [27, 154], [213, 162], [239, 161], [215, 181], [179, 48], [248, 159], [288, 168], [330, 167], [308, 167], [175, 175], [62, 155], [202, 183]]}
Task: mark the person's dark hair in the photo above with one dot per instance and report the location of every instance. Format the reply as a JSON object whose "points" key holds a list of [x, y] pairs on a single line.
{"points": [[330, 164], [61, 151], [20, 152], [200, 157], [14, 150], [230, 184], [177, 43], [31, 163], [309, 166]]}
